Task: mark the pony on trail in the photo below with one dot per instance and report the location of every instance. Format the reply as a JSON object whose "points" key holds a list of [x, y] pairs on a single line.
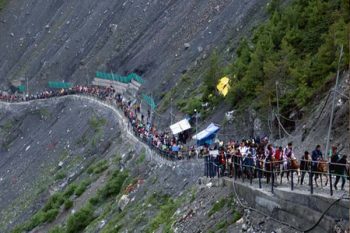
{"points": [[291, 165], [322, 170]]}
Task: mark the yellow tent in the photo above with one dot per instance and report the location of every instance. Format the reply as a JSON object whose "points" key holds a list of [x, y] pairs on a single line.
{"points": [[223, 85]]}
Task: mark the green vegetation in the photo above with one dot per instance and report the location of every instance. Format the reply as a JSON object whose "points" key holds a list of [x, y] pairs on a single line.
{"points": [[57, 229], [217, 206], [8, 126], [83, 140], [81, 219], [189, 105], [221, 225], [113, 185], [78, 221], [96, 123], [2, 4], [54, 202], [141, 158], [211, 78], [68, 204], [47, 214], [298, 47], [60, 175], [98, 167], [236, 215], [70, 190], [44, 113], [165, 214], [82, 187]]}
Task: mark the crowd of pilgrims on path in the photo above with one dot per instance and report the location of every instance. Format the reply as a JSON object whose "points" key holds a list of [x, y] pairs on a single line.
{"points": [[234, 158]]}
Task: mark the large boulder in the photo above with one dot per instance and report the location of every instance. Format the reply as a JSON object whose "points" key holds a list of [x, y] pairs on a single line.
{"points": [[123, 202]]}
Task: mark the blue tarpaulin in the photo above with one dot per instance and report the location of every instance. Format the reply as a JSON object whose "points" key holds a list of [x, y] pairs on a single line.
{"points": [[206, 136], [175, 148]]}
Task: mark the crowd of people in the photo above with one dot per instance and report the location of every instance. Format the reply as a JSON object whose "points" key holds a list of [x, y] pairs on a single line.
{"points": [[246, 158]]}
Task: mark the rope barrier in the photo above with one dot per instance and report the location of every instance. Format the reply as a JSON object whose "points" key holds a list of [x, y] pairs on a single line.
{"points": [[279, 122]]}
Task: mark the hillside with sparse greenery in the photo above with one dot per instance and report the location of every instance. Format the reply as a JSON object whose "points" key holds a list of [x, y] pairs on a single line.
{"points": [[298, 47]]}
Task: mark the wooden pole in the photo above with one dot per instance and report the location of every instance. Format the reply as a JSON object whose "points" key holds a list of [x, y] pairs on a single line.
{"points": [[349, 136], [333, 105], [278, 112]]}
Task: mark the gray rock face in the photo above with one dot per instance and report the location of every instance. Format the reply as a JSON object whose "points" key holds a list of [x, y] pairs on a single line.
{"points": [[63, 33], [40, 140]]}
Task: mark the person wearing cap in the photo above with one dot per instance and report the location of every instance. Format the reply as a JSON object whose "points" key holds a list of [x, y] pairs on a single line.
{"points": [[340, 171]]}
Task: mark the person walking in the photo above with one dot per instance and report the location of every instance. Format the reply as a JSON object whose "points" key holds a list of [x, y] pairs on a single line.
{"points": [[316, 156], [305, 164], [340, 171], [334, 159]]}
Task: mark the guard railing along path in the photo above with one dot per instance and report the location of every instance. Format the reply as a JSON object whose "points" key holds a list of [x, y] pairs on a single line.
{"points": [[275, 174], [255, 172]]}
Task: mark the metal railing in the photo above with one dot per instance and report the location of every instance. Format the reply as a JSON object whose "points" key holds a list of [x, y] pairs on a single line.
{"points": [[271, 170], [235, 168]]}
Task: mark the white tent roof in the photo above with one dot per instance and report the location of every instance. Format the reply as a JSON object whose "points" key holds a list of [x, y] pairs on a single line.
{"points": [[212, 128], [180, 126]]}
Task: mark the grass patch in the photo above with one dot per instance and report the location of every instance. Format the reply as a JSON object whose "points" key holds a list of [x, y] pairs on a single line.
{"points": [[217, 207], [68, 204], [81, 188], [54, 202], [44, 113], [38, 219], [96, 123], [236, 216], [113, 185], [164, 216], [222, 225], [60, 175], [98, 167], [70, 190], [8, 126], [57, 229], [83, 140], [142, 158], [2, 4], [193, 195], [81, 219]]}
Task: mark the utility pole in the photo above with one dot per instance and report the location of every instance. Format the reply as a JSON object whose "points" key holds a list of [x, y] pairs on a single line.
{"points": [[152, 111], [333, 103], [349, 137], [27, 85], [278, 111], [171, 111], [196, 115], [87, 76]]}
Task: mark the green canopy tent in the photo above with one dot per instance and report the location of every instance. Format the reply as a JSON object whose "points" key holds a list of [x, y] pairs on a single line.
{"points": [[60, 85], [21, 88], [119, 78], [150, 101], [136, 77]]}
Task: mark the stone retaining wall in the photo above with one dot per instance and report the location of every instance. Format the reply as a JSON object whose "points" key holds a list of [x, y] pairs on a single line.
{"points": [[298, 208]]}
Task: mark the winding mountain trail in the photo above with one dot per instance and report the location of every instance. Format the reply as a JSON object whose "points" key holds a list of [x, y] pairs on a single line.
{"points": [[123, 122]]}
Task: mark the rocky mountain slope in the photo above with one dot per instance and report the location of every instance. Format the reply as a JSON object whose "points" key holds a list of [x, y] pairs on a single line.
{"points": [[160, 40], [70, 165]]}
